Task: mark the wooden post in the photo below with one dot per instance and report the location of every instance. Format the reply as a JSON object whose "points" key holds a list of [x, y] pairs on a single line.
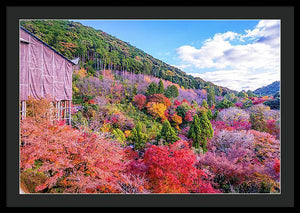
{"points": [[70, 112], [58, 109], [23, 110]]}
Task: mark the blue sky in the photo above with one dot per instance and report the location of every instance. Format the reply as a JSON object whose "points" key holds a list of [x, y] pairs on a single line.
{"points": [[246, 50]]}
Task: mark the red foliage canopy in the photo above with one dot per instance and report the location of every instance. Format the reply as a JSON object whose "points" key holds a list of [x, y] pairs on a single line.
{"points": [[79, 162], [140, 101], [171, 170]]}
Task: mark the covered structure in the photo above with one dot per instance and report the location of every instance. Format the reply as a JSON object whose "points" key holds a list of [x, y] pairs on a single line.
{"points": [[44, 72]]}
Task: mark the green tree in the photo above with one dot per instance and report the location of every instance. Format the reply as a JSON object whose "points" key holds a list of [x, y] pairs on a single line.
{"points": [[161, 88], [242, 94], [215, 114], [224, 104], [167, 133], [134, 90], [194, 104], [273, 104], [200, 131], [152, 89], [230, 96], [204, 104], [250, 94], [208, 111], [119, 135], [195, 132], [182, 109], [218, 91], [207, 130], [138, 138], [211, 96], [171, 91], [209, 114]]}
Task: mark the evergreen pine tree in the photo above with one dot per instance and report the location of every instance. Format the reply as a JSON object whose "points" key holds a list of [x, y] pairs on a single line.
{"points": [[204, 104], [211, 96], [167, 133], [207, 130], [209, 114], [194, 104], [200, 130], [152, 89], [208, 111], [171, 92], [215, 114], [119, 135], [161, 89], [138, 137], [195, 132]]}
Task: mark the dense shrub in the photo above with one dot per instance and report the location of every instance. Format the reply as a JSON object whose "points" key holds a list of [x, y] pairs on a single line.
{"points": [[224, 104], [273, 127], [157, 110], [258, 108], [233, 114], [140, 101], [243, 161], [170, 169], [235, 125], [159, 98], [272, 115], [73, 161], [176, 120], [182, 109], [273, 104]]}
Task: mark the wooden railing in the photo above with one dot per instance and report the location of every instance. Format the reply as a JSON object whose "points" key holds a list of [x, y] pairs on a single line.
{"points": [[63, 110]]}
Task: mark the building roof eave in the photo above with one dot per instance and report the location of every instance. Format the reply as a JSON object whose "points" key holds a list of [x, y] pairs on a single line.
{"points": [[46, 45]]}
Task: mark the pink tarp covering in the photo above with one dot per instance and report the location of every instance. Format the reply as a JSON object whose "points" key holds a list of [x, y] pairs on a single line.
{"points": [[43, 72]]}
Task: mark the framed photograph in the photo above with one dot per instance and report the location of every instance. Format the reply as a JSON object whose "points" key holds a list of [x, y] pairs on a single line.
{"points": [[150, 107]]}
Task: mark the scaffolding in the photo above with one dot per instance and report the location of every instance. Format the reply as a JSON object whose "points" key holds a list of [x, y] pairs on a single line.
{"points": [[62, 111]]}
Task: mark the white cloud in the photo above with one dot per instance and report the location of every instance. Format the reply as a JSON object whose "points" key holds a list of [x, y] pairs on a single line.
{"points": [[239, 79], [235, 64], [183, 66]]}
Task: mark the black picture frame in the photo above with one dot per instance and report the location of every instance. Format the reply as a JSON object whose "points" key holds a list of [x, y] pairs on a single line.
{"points": [[10, 184]]}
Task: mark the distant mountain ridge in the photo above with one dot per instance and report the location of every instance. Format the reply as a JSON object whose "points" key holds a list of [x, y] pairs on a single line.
{"points": [[97, 50], [270, 89]]}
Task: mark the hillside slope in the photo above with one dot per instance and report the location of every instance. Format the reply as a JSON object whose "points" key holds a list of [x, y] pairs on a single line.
{"points": [[99, 50], [270, 89]]}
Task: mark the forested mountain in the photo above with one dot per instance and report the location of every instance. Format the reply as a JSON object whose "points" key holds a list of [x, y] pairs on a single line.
{"points": [[270, 89], [98, 50], [141, 126]]}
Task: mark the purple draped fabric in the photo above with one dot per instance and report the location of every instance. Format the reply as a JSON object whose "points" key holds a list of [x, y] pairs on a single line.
{"points": [[43, 72]]}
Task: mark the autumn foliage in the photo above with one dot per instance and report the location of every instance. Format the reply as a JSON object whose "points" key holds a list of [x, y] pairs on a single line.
{"points": [[171, 170], [126, 139], [76, 161], [140, 101]]}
